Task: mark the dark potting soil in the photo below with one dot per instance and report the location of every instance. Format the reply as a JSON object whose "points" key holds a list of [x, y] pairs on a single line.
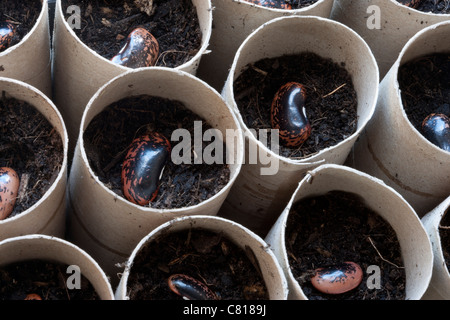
{"points": [[425, 87], [295, 4], [32, 147], [110, 133], [444, 233], [47, 279], [23, 14], [433, 6], [229, 271], [336, 227], [331, 101], [105, 26]]}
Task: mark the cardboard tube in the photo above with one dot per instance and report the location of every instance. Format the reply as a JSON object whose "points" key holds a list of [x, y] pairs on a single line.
{"points": [[440, 282], [386, 25], [258, 197], [79, 71], [414, 242], [109, 226], [273, 276], [46, 248], [46, 216], [394, 151], [29, 60], [233, 22]]}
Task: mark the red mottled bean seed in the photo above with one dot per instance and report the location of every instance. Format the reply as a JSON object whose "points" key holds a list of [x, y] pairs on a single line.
{"points": [[277, 4], [289, 116], [7, 30], [410, 3], [190, 288], [337, 279], [436, 128], [141, 50], [9, 189], [143, 167], [33, 296]]}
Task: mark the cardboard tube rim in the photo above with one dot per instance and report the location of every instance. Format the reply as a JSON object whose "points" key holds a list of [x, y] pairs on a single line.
{"points": [[64, 243], [64, 137], [409, 9], [279, 10], [122, 77], [165, 227], [396, 86], [201, 51], [285, 215], [44, 12], [309, 159], [431, 223]]}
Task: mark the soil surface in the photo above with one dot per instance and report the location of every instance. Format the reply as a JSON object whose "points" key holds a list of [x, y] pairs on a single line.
{"points": [[425, 87], [433, 6], [297, 4], [336, 227], [32, 147], [105, 26], [206, 256], [45, 278], [331, 101], [444, 233], [110, 133], [23, 14]]}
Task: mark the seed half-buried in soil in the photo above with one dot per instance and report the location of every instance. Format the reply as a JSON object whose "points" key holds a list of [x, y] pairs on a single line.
{"points": [[9, 190], [288, 114], [143, 167], [436, 128], [140, 50], [337, 279], [7, 30], [190, 288]]}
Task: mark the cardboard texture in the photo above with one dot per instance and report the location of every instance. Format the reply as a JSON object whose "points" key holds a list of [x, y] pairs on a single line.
{"points": [[79, 71], [440, 282], [46, 216], [270, 269], [257, 198], [233, 22], [109, 226], [42, 247], [392, 150], [385, 25], [30, 60], [414, 242]]}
